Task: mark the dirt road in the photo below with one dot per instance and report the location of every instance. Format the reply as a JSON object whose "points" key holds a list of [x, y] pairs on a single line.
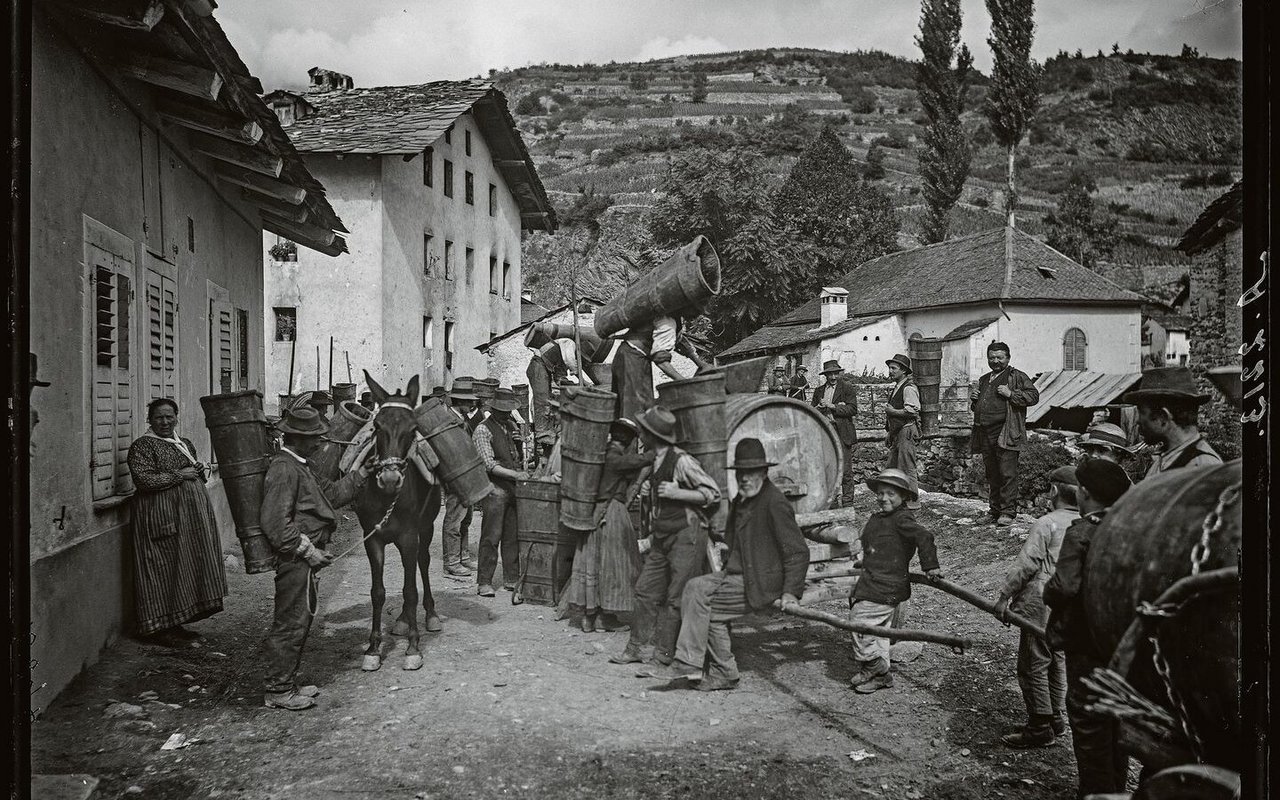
{"points": [[512, 703]]}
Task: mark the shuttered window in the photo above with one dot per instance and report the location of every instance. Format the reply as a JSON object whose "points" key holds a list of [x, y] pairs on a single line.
{"points": [[111, 282], [162, 336], [1074, 350], [242, 339], [221, 347]]}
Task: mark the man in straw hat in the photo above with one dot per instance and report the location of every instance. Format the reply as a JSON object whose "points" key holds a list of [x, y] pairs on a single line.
{"points": [[1168, 404], [1100, 764], [1042, 670], [679, 492], [298, 517], [768, 559], [502, 451], [1000, 405], [838, 402], [902, 422], [889, 540], [454, 543], [1105, 441]]}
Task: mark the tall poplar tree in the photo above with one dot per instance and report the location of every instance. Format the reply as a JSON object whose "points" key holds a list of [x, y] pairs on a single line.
{"points": [[941, 80], [1014, 92]]}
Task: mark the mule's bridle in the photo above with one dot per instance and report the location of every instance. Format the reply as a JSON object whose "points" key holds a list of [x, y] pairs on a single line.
{"points": [[392, 462]]}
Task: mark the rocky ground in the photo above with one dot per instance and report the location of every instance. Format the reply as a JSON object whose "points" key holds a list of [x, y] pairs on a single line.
{"points": [[512, 703]]}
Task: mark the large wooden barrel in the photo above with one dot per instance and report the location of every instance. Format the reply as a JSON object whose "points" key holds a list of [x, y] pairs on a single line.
{"points": [[461, 470], [242, 445], [585, 414], [698, 406], [802, 442], [1143, 546], [926, 369], [346, 423], [680, 285], [538, 534], [342, 392]]}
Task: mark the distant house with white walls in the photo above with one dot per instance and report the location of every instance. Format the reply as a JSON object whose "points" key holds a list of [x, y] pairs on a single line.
{"points": [[996, 285], [437, 188]]}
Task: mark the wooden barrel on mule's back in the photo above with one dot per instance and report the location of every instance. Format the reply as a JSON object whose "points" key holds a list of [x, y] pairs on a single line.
{"points": [[698, 406], [542, 566], [926, 369], [345, 423], [585, 415], [1145, 544], [461, 470], [804, 444], [242, 446]]}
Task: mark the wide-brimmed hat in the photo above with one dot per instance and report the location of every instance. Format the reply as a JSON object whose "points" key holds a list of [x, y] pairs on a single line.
{"points": [[437, 391], [463, 389], [831, 366], [802, 368], [1106, 434], [320, 398], [749, 454], [504, 400], [779, 368], [901, 361], [660, 422], [1166, 383], [303, 421], [895, 478]]}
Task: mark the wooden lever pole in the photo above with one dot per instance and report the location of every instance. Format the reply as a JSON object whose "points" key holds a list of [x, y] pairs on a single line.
{"points": [[976, 600], [958, 643]]}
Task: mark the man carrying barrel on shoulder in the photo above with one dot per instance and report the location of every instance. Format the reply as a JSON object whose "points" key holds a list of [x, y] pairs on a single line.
{"points": [[680, 492], [1168, 406], [1101, 766], [838, 402], [298, 517], [902, 422], [1000, 406], [454, 542], [498, 442], [643, 347]]}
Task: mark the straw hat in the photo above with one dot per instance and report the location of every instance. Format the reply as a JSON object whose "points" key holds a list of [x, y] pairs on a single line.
{"points": [[749, 454], [660, 422], [901, 361], [1106, 434], [892, 477], [1166, 383], [303, 422], [831, 366]]}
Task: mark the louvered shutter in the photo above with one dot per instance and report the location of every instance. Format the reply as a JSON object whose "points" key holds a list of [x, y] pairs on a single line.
{"points": [[221, 346], [112, 402], [162, 337]]}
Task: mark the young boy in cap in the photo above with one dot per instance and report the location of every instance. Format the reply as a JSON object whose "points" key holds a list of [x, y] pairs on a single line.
{"points": [[1042, 670], [890, 539], [298, 518], [1168, 404], [679, 492], [902, 422], [1105, 441], [1101, 766], [767, 562]]}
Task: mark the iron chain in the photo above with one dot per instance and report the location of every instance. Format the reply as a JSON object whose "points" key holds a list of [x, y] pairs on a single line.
{"points": [[1175, 699], [1212, 524]]}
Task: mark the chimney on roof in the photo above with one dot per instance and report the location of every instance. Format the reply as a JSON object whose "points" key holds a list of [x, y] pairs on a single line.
{"points": [[324, 80], [835, 306], [527, 297]]}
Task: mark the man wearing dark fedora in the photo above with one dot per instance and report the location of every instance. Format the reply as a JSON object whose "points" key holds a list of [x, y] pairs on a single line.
{"points": [[800, 384], [1168, 405], [768, 559], [502, 451], [779, 384], [681, 495], [298, 517], [1000, 406], [454, 544], [902, 422], [838, 402]]}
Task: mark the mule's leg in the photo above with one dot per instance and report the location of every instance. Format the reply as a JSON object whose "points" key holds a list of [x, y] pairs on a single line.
{"points": [[407, 544], [376, 551], [428, 528]]}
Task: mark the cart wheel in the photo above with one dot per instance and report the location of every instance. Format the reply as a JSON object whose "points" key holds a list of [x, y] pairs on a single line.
{"points": [[1191, 782]]}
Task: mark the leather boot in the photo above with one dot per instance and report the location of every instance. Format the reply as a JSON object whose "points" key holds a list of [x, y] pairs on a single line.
{"points": [[868, 670], [1036, 733]]}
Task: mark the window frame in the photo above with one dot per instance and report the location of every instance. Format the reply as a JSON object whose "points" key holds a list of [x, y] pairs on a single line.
{"points": [[469, 187], [448, 177], [1075, 350], [448, 260], [466, 140], [469, 262], [427, 238], [428, 167], [276, 317], [493, 274], [493, 200], [506, 279]]}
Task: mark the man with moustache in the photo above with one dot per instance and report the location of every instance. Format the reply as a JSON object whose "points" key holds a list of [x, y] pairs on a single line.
{"points": [[1000, 428]]}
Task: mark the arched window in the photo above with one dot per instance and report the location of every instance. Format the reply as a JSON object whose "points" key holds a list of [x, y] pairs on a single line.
{"points": [[1074, 350]]}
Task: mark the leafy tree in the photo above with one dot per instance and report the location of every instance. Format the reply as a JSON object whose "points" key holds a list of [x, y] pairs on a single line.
{"points": [[699, 94], [874, 170], [723, 195], [942, 76], [1015, 81], [1077, 229], [840, 219], [639, 81]]}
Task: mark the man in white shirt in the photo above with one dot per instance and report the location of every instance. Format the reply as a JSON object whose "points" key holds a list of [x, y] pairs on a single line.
{"points": [[902, 422]]}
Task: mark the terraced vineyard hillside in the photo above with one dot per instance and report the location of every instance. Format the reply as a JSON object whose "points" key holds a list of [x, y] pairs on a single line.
{"points": [[1160, 134]]}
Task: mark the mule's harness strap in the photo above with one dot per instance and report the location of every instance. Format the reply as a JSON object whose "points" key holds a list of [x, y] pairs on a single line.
{"points": [[396, 404]]}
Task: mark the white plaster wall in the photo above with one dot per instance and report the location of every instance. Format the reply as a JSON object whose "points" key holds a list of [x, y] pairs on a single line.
{"points": [[864, 350], [1177, 349]]}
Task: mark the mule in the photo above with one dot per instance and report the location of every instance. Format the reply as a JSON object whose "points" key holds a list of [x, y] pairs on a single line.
{"points": [[409, 524]]}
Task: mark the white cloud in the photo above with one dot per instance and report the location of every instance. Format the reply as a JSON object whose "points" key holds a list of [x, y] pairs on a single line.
{"points": [[662, 47]]}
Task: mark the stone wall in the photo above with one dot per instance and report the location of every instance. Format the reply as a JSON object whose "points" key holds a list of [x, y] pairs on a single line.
{"points": [[1215, 336]]}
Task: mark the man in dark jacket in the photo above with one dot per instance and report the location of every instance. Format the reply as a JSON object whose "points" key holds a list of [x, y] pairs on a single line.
{"points": [[1000, 428], [1102, 767], [454, 543], [890, 539], [838, 402], [767, 560], [500, 448], [297, 517]]}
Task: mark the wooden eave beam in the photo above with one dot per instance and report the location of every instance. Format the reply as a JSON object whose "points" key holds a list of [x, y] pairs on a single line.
{"points": [[254, 159], [128, 15], [261, 184], [214, 122], [285, 211], [199, 8], [169, 74], [297, 230], [510, 162]]}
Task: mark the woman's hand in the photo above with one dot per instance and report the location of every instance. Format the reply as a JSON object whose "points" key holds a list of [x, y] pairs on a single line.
{"points": [[189, 474]]}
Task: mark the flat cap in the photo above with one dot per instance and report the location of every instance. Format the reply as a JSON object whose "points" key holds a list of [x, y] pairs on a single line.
{"points": [[1105, 480], [1065, 475]]}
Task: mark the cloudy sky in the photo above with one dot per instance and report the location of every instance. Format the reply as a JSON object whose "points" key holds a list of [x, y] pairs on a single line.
{"points": [[388, 42]]}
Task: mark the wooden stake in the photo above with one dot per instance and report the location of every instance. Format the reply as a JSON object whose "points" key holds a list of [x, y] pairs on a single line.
{"points": [[293, 350], [317, 368], [347, 356], [330, 363]]}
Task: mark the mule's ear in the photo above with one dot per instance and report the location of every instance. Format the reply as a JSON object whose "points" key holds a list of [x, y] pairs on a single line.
{"points": [[379, 394], [411, 391]]}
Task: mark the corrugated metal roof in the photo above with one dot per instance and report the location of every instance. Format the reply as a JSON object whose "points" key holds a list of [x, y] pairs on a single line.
{"points": [[1079, 389]]}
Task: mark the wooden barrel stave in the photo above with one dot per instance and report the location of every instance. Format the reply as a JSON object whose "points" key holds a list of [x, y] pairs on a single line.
{"points": [[585, 415], [242, 446], [795, 435], [461, 468], [538, 536], [926, 369], [698, 406]]}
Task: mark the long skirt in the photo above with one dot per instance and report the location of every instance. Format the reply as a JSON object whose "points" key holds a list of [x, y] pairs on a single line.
{"points": [[605, 565], [177, 557]]}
